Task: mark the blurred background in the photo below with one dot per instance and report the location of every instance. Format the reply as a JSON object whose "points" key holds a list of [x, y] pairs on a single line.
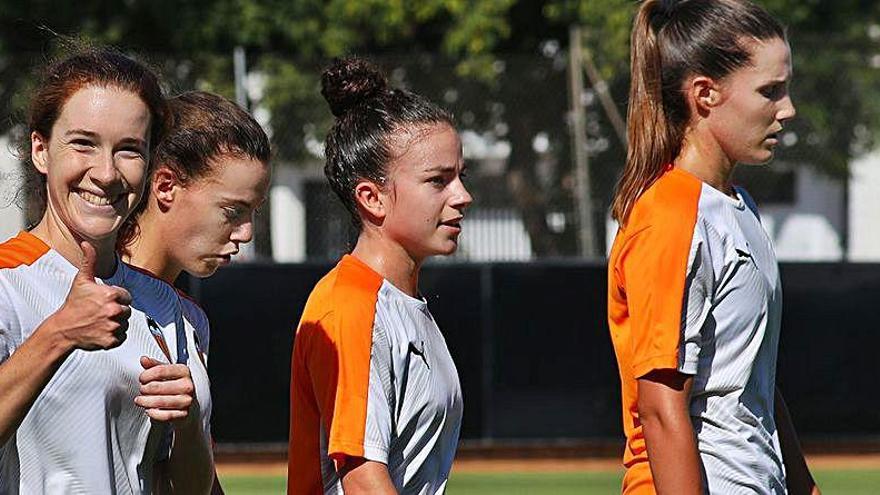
{"points": [[539, 91]]}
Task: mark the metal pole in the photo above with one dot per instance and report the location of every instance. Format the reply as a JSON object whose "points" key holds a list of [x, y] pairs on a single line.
{"points": [[247, 252], [239, 64], [582, 194]]}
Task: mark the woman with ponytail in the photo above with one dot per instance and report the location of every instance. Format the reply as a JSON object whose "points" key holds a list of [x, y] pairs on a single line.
{"points": [[695, 299], [375, 399]]}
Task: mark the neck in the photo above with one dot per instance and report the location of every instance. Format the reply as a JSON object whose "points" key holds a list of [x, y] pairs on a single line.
{"points": [[57, 236], [389, 259], [149, 250], [705, 159]]}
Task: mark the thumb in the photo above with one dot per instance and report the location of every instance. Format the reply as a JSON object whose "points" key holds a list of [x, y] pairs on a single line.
{"points": [[148, 362], [87, 264]]}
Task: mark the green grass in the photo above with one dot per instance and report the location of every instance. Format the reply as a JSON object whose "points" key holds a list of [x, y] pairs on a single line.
{"points": [[833, 482]]}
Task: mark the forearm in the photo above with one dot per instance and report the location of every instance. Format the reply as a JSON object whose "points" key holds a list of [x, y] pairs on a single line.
{"points": [[26, 372], [672, 453], [798, 477], [191, 465], [363, 477], [664, 398]]}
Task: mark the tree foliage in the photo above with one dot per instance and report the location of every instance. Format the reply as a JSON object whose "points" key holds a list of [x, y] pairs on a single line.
{"points": [[500, 65]]}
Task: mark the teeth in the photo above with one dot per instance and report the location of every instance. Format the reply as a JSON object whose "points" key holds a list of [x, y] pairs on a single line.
{"points": [[94, 199]]}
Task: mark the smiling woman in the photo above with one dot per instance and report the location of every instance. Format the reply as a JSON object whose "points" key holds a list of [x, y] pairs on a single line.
{"points": [[106, 416]]}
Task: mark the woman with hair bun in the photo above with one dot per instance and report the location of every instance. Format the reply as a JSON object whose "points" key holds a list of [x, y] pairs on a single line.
{"points": [[376, 404], [695, 299]]}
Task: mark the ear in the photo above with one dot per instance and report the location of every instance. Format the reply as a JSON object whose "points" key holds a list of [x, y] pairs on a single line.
{"points": [[704, 93], [370, 199], [40, 152], [164, 186]]}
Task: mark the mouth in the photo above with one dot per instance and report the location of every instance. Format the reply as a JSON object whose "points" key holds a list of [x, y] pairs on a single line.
{"points": [[454, 223], [99, 199], [226, 258]]}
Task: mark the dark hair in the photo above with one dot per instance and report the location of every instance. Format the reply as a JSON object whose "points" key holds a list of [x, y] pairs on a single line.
{"points": [[86, 66], [367, 113], [672, 40], [203, 126]]}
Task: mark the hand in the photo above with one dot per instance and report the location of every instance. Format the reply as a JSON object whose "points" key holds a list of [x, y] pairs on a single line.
{"points": [[167, 390], [93, 316]]}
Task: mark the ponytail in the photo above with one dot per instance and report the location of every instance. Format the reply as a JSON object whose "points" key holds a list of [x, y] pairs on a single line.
{"points": [[652, 143]]}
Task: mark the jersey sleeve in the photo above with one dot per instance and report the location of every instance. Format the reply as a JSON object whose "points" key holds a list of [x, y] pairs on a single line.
{"points": [[654, 267], [698, 299], [349, 365]]}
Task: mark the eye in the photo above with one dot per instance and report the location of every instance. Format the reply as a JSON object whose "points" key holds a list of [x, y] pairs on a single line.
{"points": [[438, 180], [82, 144], [132, 153], [232, 212], [773, 91]]}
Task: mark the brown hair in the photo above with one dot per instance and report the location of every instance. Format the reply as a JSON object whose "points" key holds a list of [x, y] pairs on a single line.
{"points": [[86, 66], [203, 126], [367, 113], [671, 41]]}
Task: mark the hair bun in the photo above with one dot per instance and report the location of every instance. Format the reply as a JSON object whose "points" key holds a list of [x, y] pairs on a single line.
{"points": [[348, 82]]}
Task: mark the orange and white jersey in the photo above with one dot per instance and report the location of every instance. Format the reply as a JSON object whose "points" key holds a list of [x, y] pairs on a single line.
{"points": [[84, 434], [694, 286], [371, 378]]}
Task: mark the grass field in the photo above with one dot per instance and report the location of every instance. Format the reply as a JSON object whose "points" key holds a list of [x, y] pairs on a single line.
{"points": [[832, 481]]}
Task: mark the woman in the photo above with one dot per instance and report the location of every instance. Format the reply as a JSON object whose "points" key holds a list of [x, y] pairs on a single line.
{"points": [[211, 173], [694, 290], [94, 371], [375, 399]]}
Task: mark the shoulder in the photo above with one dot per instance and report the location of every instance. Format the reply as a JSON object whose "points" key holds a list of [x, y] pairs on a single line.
{"points": [[667, 210], [343, 302], [22, 250], [196, 316]]}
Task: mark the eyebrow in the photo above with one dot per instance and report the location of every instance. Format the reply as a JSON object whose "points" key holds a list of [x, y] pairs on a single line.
{"points": [[443, 168], [82, 132], [236, 202]]}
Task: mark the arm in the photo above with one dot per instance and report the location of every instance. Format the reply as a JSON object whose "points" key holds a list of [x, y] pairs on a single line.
{"points": [[168, 394], [362, 477], [26, 372], [669, 434], [797, 474], [92, 317]]}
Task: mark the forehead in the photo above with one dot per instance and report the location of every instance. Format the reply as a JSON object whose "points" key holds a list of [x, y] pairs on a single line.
{"points": [[771, 59], [236, 176], [426, 146], [108, 111]]}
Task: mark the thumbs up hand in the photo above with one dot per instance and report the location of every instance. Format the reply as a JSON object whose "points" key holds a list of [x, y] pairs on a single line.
{"points": [[94, 316]]}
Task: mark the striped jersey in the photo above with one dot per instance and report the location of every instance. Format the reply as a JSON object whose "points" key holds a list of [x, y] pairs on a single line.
{"points": [[371, 378], [84, 434], [694, 286]]}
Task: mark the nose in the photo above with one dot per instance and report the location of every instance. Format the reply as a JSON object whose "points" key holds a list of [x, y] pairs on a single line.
{"points": [[786, 110], [104, 173], [243, 233], [462, 198]]}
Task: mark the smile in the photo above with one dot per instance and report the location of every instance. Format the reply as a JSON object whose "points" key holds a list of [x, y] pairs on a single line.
{"points": [[97, 199]]}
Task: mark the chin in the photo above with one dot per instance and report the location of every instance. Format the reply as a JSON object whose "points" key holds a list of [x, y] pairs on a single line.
{"points": [[203, 271]]}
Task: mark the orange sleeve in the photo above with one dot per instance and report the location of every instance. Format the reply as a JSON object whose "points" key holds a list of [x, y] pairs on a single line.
{"points": [[653, 262], [339, 367]]}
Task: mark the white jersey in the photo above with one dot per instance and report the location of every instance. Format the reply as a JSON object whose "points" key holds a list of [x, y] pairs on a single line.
{"points": [[733, 315], [372, 378], [84, 434], [694, 286]]}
